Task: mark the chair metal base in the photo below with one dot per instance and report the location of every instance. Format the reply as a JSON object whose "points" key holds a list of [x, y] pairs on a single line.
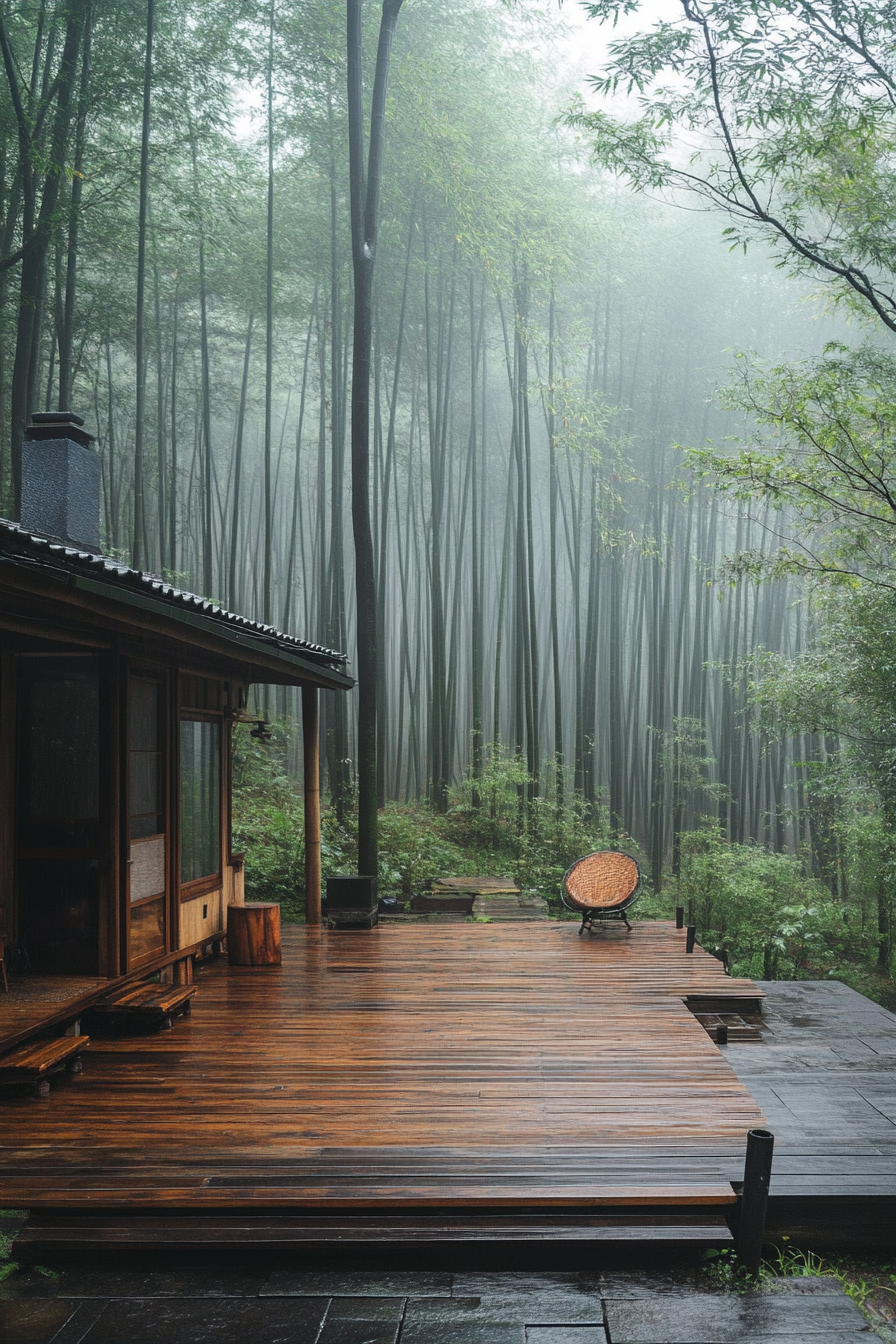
{"points": [[589, 916]]}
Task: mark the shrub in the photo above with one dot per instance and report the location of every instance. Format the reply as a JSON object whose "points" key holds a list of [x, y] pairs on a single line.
{"points": [[762, 911]]}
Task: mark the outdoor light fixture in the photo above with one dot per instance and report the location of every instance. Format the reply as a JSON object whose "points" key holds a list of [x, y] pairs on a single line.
{"points": [[261, 730]]}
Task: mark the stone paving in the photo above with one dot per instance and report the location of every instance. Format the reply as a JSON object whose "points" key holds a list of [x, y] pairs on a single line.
{"points": [[248, 1305]]}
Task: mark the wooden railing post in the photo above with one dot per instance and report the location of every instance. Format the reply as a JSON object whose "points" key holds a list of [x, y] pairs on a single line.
{"points": [[311, 745]]}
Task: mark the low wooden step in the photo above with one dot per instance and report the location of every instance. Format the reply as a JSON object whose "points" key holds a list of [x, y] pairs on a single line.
{"points": [[745, 1005], [447, 902], [739, 1028], [34, 1062], [144, 1007], [47, 1232]]}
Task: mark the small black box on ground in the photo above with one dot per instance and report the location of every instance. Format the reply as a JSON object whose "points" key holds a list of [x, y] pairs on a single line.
{"points": [[351, 902]]}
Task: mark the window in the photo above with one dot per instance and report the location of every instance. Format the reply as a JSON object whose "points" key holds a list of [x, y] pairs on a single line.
{"points": [[200, 798]]}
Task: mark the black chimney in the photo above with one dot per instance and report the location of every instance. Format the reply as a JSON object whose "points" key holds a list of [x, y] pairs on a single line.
{"points": [[61, 480]]}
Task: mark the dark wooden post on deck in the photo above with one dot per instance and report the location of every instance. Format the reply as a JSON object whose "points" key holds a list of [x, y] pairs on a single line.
{"points": [[757, 1175], [311, 743]]}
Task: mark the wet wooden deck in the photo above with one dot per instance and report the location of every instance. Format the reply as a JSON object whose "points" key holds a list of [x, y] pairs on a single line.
{"points": [[490, 1066]]}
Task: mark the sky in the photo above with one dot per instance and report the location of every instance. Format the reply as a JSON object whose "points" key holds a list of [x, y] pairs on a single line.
{"points": [[588, 42]]}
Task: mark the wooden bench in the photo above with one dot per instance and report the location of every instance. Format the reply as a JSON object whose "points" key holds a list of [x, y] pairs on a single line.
{"points": [[36, 1061], [146, 1007]]}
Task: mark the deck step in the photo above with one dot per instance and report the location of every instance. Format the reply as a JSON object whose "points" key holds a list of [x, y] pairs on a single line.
{"points": [[144, 1007], [740, 1027], [50, 1231], [35, 1062]]}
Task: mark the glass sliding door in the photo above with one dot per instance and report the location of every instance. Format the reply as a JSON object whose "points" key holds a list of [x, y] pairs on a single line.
{"points": [[147, 861], [200, 799]]}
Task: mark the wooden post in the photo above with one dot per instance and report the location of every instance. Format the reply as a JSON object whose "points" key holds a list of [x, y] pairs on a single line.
{"points": [[757, 1175], [311, 743]]}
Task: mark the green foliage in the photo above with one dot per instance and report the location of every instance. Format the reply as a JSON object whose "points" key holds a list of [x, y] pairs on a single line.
{"points": [[267, 818], [791, 107], [842, 689], [771, 919], [787, 1262], [8, 1266], [414, 848], [511, 832], [823, 450], [529, 841], [268, 821]]}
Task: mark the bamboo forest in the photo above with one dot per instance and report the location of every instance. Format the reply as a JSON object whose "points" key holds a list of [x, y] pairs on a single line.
{"points": [[539, 358]]}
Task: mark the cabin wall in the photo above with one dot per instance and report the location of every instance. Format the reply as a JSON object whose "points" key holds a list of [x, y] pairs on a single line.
{"points": [[143, 909], [204, 918]]}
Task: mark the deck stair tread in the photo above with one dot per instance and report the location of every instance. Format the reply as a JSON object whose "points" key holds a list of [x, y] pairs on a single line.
{"points": [[46, 1232], [477, 885], [36, 1061], [381, 1178], [141, 1006], [740, 1028], [167, 998]]}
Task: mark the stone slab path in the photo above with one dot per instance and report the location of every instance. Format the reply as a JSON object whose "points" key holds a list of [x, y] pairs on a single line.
{"points": [[513, 907], [295, 1306], [825, 1078]]}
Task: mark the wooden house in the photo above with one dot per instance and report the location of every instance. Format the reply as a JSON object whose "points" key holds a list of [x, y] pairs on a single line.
{"points": [[118, 693]]}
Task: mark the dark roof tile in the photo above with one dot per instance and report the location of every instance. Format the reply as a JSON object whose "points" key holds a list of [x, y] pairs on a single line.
{"points": [[18, 544]]}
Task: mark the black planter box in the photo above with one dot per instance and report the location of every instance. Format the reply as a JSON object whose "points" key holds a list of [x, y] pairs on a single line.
{"points": [[351, 893], [351, 902]]}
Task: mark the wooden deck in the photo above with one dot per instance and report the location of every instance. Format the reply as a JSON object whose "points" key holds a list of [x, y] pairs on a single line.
{"points": [[467, 1066]]}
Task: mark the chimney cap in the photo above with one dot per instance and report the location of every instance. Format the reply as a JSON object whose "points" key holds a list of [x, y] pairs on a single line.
{"points": [[58, 425]]}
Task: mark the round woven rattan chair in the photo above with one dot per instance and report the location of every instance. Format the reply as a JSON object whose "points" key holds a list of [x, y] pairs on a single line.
{"points": [[601, 886]]}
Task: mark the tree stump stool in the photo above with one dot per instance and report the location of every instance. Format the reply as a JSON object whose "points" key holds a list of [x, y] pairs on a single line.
{"points": [[253, 934]]}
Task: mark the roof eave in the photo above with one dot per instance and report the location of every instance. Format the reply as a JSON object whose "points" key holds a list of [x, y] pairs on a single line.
{"points": [[300, 668]]}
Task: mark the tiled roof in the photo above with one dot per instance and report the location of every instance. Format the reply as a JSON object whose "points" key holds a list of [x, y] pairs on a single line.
{"points": [[23, 547]]}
